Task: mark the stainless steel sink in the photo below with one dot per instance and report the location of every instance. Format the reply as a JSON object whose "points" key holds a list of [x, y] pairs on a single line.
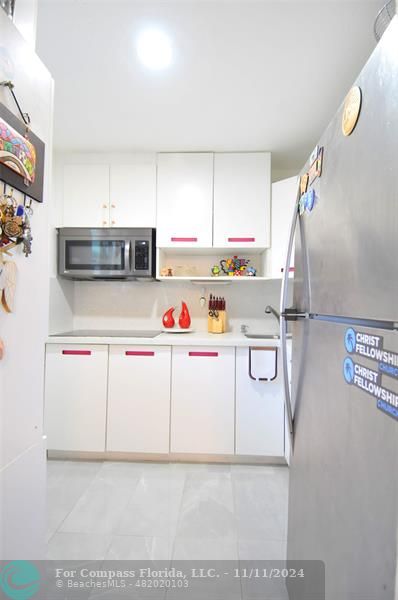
{"points": [[260, 336]]}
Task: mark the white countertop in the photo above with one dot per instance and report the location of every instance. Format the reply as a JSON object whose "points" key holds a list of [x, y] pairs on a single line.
{"points": [[170, 339]]}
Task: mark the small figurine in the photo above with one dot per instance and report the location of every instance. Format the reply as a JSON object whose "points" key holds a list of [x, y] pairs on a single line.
{"points": [[168, 319], [215, 271], [251, 272], [184, 320], [234, 266], [166, 272]]}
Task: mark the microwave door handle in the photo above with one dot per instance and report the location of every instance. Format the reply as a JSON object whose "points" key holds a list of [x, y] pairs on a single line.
{"points": [[127, 257]]}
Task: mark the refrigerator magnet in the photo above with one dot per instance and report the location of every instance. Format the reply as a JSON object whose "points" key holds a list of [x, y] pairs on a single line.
{"points": [[310, 200], [316, 167], [303, 183], [314, 155], [302, 204], [352, 109]]}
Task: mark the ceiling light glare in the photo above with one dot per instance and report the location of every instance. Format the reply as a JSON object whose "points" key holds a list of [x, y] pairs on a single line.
{"points": [[154, 49]]}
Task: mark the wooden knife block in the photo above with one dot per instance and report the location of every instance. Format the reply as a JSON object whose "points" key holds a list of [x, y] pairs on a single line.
{"points": [[217, 324]]}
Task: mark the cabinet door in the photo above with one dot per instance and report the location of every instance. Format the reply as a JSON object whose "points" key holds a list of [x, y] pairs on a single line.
{"points": [[202, 405], [139, 399], [86, 196], [185, 200], [133, 195], [259, 411], [283, 201], [242, 185], [75, 397]]}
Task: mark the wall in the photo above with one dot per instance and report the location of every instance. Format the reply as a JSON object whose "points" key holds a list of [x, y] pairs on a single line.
{"points": [[125, 305], [22, 449], [25, 19]]}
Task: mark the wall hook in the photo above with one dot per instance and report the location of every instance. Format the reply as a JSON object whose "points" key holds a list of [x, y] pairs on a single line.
{"points": [[24, 116]]}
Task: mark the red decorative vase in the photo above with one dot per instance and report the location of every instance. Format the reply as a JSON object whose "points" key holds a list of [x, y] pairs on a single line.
{"points": [[185, 320], [168, 319]]}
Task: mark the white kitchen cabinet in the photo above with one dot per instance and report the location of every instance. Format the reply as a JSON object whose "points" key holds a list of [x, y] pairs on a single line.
{"points": [[283, 200], [259, 404], [86, 196], [185, 200], [132, 198], [139, 399], [202, 407], [242, 186], [75, 397]]}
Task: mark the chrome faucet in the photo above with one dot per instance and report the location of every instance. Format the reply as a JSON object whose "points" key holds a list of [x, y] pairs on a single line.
{"points": [[271, 310]]}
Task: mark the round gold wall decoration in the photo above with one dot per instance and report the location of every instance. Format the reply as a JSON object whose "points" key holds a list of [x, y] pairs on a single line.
{"points": [[352, 108]]}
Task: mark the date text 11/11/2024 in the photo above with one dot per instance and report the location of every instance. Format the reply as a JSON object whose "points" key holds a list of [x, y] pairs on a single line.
{"points": [[252, 573]]}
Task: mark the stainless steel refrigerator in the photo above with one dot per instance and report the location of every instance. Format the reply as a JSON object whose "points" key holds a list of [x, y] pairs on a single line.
{"points": [[343, 495]]}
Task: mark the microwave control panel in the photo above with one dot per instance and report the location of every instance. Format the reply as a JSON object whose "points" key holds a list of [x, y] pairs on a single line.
{"points": [[141, 254]]}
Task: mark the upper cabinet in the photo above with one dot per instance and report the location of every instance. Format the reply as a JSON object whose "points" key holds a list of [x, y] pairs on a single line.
{"points": [[86, 196], [109, 196], [242, 186], [185, 200], [133, 195], [209, 200], [283, 200], [195, 200]]}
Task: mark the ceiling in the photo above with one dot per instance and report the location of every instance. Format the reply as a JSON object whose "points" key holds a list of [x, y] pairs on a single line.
{"points": [[246, 74]]}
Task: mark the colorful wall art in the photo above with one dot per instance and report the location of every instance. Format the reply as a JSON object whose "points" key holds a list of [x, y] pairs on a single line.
{"points": [[16, 152], [21, 157]]}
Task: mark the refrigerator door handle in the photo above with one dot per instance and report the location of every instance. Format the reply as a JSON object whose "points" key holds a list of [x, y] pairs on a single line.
{"points": [[286, 315], [292, 314]]}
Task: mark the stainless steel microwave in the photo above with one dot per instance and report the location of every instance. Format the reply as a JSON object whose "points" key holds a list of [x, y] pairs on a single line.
{"points": [[106, 253]]}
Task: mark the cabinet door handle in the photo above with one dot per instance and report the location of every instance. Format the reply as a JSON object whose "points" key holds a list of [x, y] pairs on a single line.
{"points": [[76, 352], [139, 353], [209, 354], [184, 239], [105, 222], [113, 205], [241, 239], [104, 206], [291, 270]]}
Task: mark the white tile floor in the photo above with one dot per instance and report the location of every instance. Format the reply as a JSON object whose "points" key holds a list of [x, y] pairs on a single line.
{"points": [[156, 511]]}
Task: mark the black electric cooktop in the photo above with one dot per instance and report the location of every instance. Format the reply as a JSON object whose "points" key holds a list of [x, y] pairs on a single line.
{"points": [[136, 333]]}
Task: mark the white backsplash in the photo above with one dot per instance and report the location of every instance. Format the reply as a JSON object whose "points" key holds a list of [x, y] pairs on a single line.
{"points": [[127, 305]]}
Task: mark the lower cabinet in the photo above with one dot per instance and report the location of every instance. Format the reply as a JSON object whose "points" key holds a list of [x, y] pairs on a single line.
{"points": [[139, 399], [75, 397], [203, 400], [161, 400], [259, 404]]}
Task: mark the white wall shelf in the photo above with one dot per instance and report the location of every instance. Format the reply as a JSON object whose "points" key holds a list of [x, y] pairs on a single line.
{"points": [[196, 265]]}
